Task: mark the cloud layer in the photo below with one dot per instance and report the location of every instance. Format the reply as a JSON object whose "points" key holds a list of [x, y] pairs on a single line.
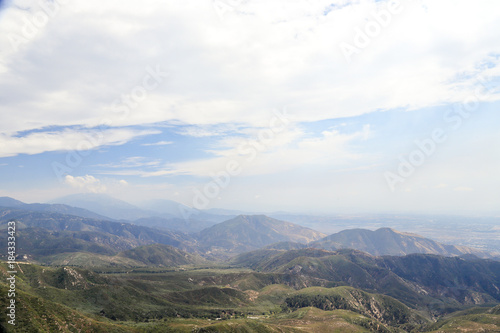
{"points": [[167, 93], [233, 67]]}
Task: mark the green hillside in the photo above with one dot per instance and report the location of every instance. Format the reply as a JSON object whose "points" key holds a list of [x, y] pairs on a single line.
{"points": [[161, 255], [445, 280]]}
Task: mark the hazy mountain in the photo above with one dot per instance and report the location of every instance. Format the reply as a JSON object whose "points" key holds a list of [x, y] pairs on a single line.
{"points": [[244, 233], [161, 255], [56, 208], [174, 223], [105, 205], [10, 202], [166, 214], [227, 212], [386, 241], [44, 233], [169, 208]]}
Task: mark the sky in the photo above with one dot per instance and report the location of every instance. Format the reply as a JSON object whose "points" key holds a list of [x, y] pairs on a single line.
{"points": [[303, 106]]}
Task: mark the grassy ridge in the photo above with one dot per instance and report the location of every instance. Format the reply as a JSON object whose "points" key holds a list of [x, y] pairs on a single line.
{"points": [[71, 299]]}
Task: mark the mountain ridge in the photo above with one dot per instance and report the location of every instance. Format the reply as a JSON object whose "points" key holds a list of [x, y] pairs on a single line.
{"points": [[249, 232], [388, 241]]}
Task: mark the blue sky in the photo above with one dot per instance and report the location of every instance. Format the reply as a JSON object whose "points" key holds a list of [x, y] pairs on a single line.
{"points": [[254, 105]]}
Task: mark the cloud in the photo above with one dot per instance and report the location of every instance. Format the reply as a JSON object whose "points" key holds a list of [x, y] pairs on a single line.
{"points": [[199, 132], [87, 183], [159, 143], [233, 70], [131, 163], [262, 155], [66, 140], [229, 71], [92, 184], [463, 189]]}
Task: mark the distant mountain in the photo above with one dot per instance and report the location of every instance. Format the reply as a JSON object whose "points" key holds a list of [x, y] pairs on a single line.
{"points": [[174, 223], [169, 208], [161, 255], [193, 220], [227, 212], [105, 205], [56, 208], [46, 233], [250, 232], [161, 213], [386, 241], [10, 202]]}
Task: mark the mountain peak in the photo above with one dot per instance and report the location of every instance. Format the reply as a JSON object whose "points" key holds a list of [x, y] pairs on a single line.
{"points": [[104, 204], [388, 241], [10, 202], [250, 232]]}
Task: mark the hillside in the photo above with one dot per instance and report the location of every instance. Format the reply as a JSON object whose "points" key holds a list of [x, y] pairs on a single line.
{"points": [[161, 255], [381, 308], [306, 290], [39, 315], [174, 223], [250, 232], [386, 241], [415, 280], [43, 233]]}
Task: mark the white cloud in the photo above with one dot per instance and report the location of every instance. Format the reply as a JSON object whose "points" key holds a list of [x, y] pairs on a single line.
{"points": [[131, 162], [262, 55], [262, 155], [87, 183], [92, 184], [66, 140], [463, 189], [227, 74], [159, 143]]}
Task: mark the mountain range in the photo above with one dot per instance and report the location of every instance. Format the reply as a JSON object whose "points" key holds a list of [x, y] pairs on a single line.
{"points": [[73, 229], [245, 273], [249, 232], [386, 241], [160, 213]]}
